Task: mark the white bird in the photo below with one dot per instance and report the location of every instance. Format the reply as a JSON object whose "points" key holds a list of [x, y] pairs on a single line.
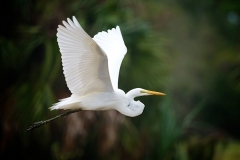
{"points": [[91, 68]]}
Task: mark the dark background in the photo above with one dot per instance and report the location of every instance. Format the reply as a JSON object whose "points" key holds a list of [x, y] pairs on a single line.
{"points": [[186, 49]]}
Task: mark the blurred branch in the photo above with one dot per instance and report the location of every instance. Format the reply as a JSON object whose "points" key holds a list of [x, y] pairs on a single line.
{"points": [[194, 112], [38, 124]]}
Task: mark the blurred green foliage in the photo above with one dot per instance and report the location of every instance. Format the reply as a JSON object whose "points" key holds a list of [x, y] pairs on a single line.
{"points": [[187, 49]]}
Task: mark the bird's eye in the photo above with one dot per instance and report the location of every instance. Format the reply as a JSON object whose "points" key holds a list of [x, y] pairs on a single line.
{"points": [[128, 104]]}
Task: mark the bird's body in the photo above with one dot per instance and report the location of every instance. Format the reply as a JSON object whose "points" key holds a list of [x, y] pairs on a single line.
{"points": [[105, 101], [91, 68]]}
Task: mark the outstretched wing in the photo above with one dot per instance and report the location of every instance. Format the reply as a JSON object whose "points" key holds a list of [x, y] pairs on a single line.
{"points": [[85, 65], [113, 45]]}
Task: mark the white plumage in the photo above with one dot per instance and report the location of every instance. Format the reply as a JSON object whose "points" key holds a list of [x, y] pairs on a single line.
{"points": [[113, 45], [91, 67]]}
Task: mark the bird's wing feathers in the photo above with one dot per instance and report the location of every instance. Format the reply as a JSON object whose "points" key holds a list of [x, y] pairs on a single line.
{"points": [[85, 65], [113, 45]]}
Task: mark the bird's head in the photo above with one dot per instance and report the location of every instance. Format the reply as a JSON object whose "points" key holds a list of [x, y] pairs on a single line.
{"points": [[142, 92], [137, 107]]}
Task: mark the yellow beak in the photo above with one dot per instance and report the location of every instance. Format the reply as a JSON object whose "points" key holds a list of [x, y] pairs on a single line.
{"points": [[153, 93]]}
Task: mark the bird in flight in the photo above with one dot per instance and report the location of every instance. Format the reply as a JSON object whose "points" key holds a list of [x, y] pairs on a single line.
{"points": [[91, 69]]}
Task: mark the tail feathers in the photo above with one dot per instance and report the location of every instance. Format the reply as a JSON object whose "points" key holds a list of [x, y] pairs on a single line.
{"points": [[65, 103]]}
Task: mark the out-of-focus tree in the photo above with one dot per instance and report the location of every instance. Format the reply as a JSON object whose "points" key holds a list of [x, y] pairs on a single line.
{"points": [[184, 48]]}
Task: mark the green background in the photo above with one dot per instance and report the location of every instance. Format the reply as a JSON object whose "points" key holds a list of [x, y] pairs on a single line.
{"points": [[186, 49]]}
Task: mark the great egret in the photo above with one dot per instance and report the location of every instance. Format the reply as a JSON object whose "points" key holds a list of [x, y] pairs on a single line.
{"points": [[91, 68]]}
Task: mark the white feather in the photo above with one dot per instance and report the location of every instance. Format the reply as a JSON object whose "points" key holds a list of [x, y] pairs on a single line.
{"points": [[85, 65], [113, 45]]}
